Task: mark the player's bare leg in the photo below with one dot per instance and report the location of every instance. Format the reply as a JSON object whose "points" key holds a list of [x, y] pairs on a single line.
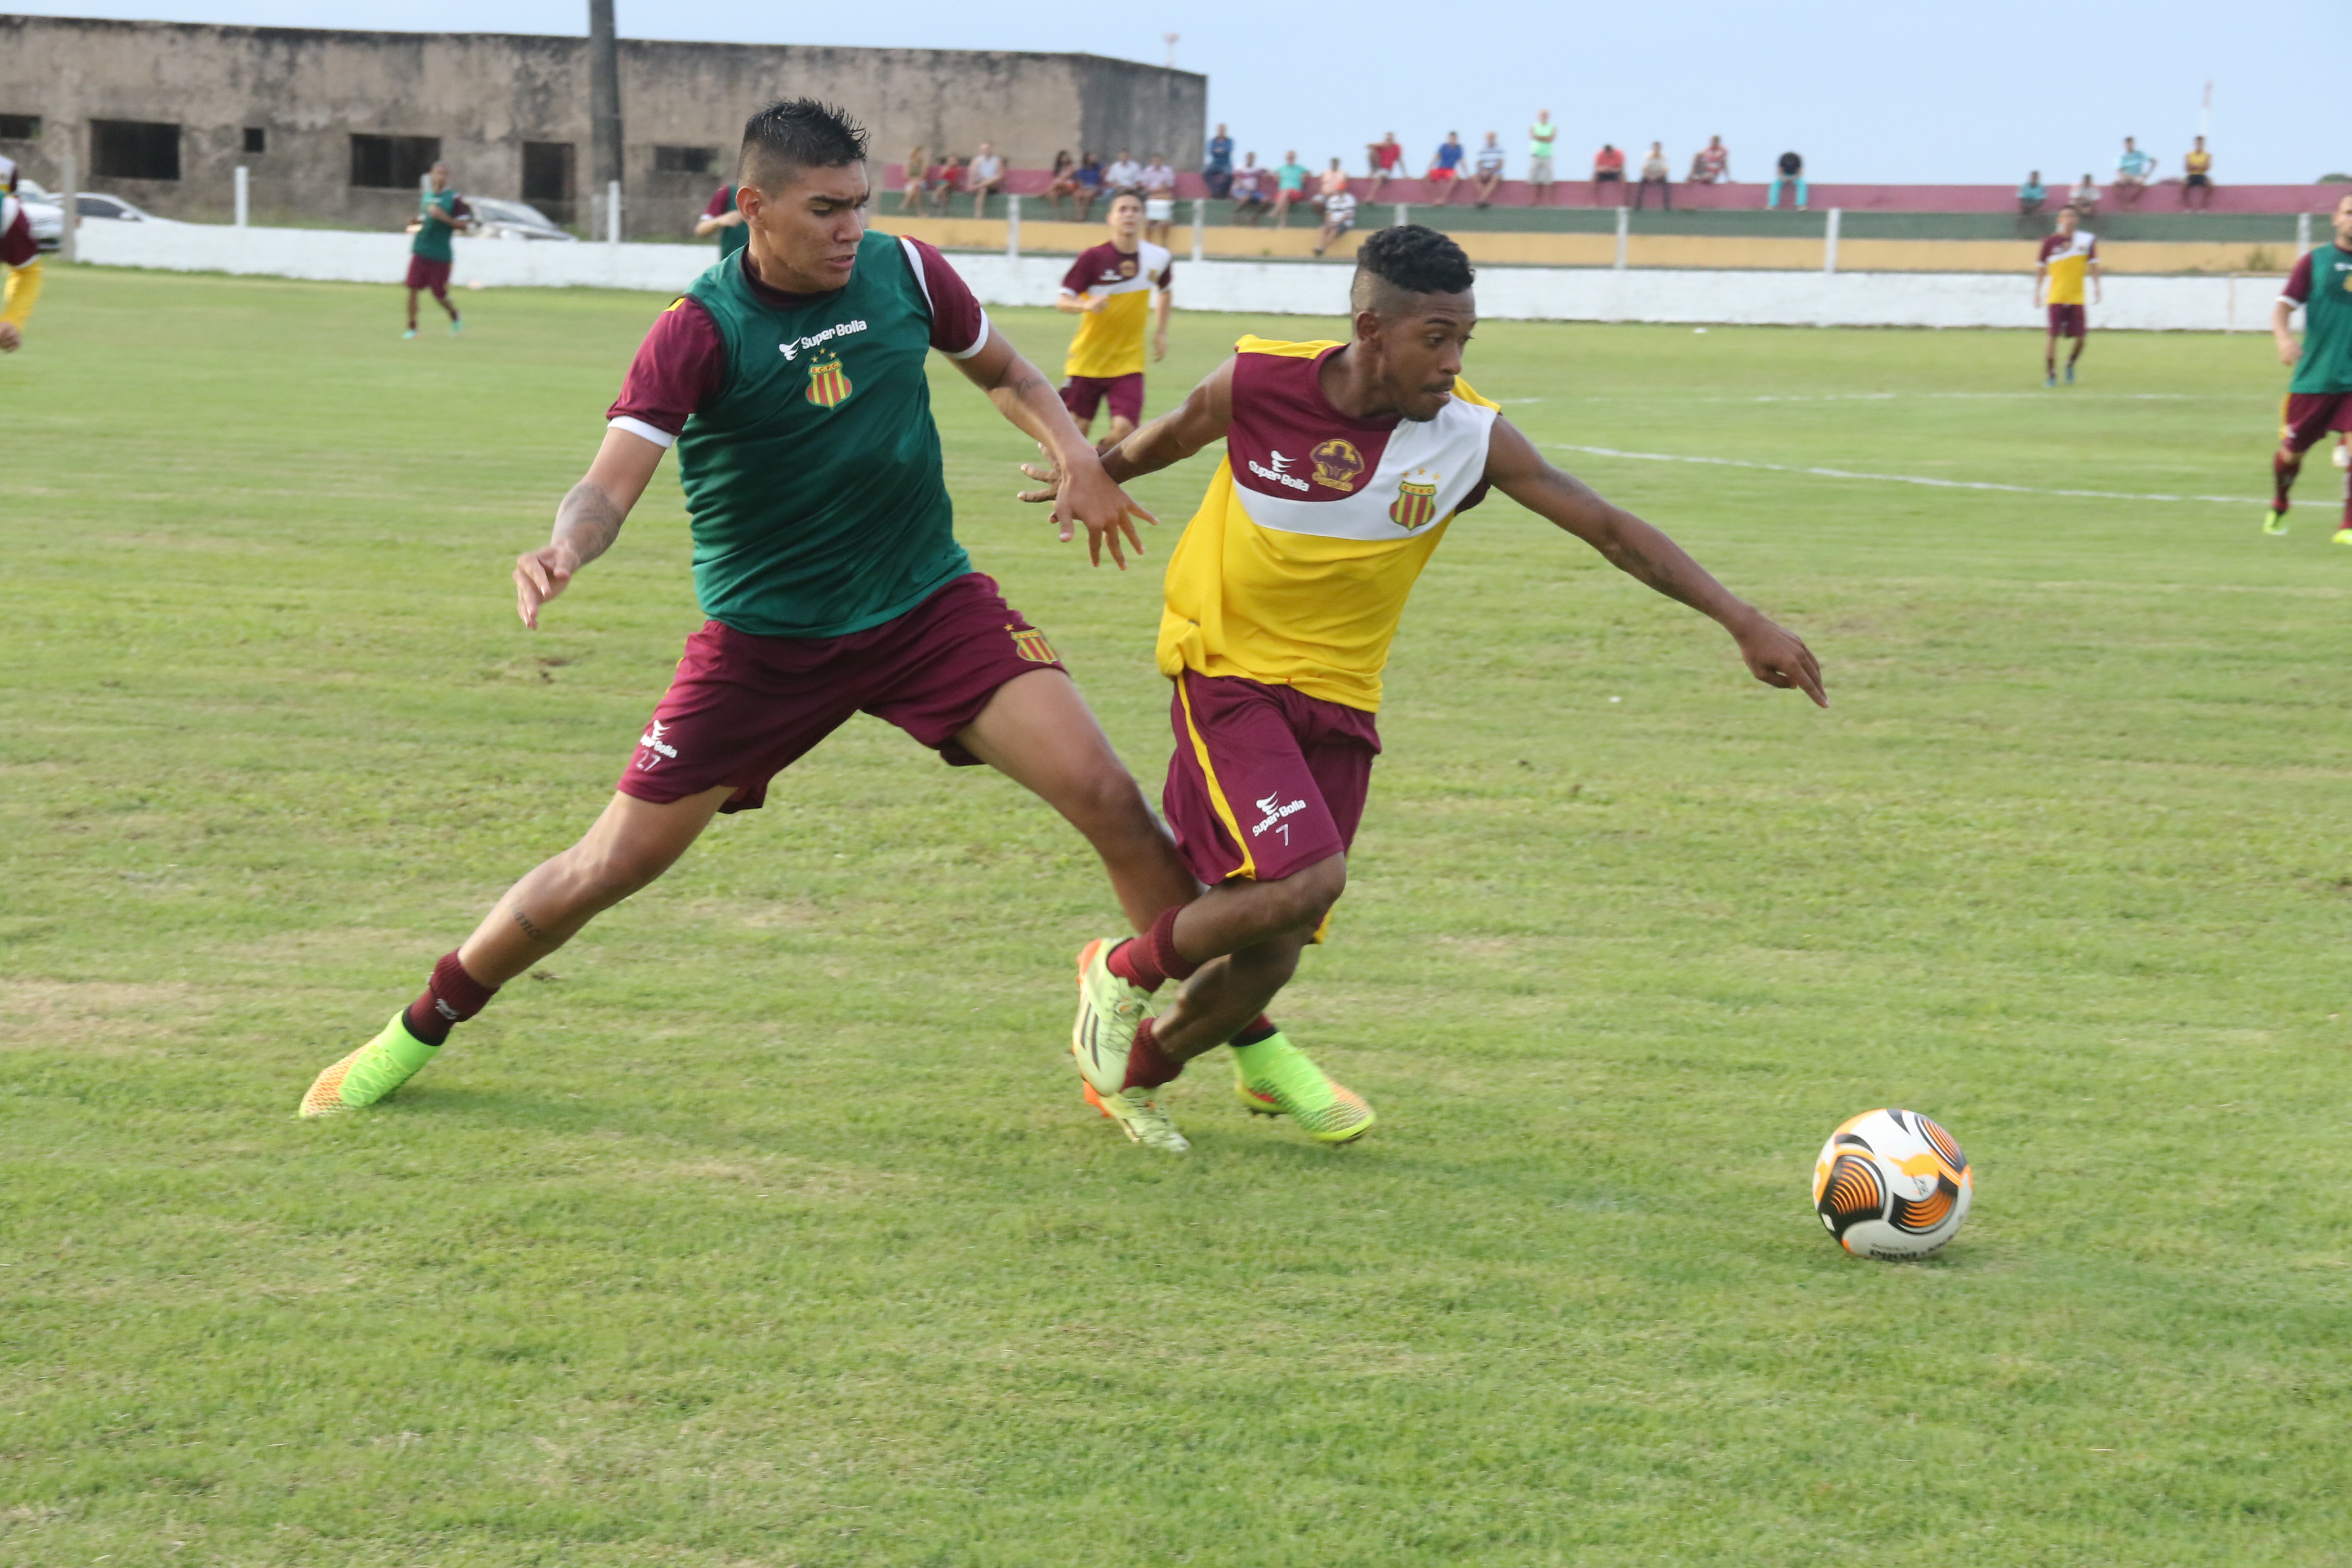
{"points": [[412, 312], [1121, 427], [2049, 359], [2285, 464]]}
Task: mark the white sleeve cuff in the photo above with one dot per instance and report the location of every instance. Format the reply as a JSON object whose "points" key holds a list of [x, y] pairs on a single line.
{"points": [[978, 343], [654, 432]]}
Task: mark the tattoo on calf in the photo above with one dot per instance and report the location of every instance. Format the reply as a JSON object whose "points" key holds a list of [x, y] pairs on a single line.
{"points": [[532, 930]]}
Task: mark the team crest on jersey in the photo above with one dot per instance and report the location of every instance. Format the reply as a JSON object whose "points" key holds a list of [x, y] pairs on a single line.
{"points": [[1416, 502], [1126, 266], [1031, 645], [1336, 464], [828, 387]]}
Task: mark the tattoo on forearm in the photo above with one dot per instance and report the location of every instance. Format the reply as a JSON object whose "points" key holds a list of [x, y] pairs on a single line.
{"points": [[529, 929], [588, 520]]}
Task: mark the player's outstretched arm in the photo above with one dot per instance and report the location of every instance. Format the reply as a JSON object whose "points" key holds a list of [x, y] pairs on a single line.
{"points": [[1203, 418], [587, 521], [1024, 395], [1775, 656]]}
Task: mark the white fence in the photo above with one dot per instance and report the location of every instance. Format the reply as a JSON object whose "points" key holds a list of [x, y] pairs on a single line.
{"points": [[1277, 287]]}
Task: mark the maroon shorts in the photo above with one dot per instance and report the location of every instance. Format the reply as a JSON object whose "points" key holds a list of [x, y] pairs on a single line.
{"points": [[1265, 779], [2310, 414], [426, 273], [1085, 393], [743, 708], [2068, 322]]}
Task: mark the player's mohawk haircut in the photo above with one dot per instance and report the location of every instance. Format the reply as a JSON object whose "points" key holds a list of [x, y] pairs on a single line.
{"points": [[798, 133], [1408, 258]]}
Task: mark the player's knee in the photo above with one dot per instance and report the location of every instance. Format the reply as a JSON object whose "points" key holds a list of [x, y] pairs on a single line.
{"points": [[604, 873], [1307, 895]]}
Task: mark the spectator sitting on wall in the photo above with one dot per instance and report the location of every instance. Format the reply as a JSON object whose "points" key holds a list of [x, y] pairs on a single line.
{"points": [[1290, 188], [1063, 183], [1159, 182], [946, 181], [1338, 215], [1711, 164], [1089, 181], [1124, 175], [2132, 170], [1444, 170], [1608, 169], [2084, 198], [1489, 168], [914, 176], [2196, 178], [1330, 183], [1790, 173], [1218, 172], [1384, 156], [985, 178], [2031, 196], [1249, 191], [1542, 135], [1656, 172], [722, 218]]}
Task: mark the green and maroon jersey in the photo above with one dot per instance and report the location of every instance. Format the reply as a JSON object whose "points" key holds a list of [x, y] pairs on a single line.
{"points": [[2322, 284], [805, 439]]}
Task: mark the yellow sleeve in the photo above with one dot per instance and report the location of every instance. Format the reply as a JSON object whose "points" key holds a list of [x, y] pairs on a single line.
{"points": [[23, 287]]}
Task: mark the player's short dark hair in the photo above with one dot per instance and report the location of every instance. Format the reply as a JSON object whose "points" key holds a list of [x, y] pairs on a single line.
{"points": [[797, 133], [1407, 259]]}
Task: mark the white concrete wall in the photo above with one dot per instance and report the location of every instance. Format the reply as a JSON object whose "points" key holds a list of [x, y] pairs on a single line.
{"points": [[1280, 288]]}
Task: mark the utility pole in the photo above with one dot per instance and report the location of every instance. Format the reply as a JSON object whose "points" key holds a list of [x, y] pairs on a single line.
{"points": [[603, 104]]}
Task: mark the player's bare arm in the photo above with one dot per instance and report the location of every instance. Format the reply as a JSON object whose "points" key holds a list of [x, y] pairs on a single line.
{"points": [[1024, 395], [1071, 304], [2283, 333], [587, 521], [1776, 656], [1165, 300]]}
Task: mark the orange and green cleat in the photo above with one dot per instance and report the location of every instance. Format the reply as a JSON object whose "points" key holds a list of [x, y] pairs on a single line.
{"points": [[1274, 1078], [370, 1073]]}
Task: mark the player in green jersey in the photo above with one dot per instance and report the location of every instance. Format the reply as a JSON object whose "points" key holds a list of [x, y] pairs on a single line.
{"points": [[2319, 398], [792, 379], [440, 210]]}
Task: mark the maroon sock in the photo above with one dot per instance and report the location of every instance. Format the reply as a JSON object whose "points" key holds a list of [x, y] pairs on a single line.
{"points": [[1150, 961], [2282, 473], [1146, 1065], [1260, 1030], [451, 998]]}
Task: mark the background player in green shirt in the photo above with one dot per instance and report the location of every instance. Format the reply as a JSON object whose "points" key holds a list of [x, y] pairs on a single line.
{"points": [[792, 378], [439, 211], [2319, 398]]}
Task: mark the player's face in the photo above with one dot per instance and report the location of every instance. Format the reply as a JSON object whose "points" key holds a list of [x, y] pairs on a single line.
{"points": [[1417, 352], [809, 226], [2343, 223], [1126, 218], [2067, 220]]}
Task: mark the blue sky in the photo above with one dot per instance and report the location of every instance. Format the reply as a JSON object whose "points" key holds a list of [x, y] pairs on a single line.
{"points": [[1880, 92]]}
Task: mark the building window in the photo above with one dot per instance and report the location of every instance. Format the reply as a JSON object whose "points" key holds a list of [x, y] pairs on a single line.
{"points": [[20, 128], [256, 140], [547, 171], [392, 163], [684, 159], [134, 150]]}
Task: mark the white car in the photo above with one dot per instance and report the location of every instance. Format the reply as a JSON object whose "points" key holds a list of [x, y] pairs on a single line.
{"points": [[495, 219], [90, 204], [46, 219]]}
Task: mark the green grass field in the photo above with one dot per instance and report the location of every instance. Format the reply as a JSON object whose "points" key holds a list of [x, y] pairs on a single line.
{"points": [[764, 1225]]}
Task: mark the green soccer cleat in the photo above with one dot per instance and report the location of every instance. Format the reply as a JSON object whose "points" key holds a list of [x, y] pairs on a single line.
{"points": [[408, 334], [1140, 1117], [457, 324], [370, 1073], [1109, 1012], [2275, 521], [2070, 375], [1274, 1078]]}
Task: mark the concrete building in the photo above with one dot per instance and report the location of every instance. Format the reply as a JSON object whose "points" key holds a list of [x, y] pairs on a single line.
{"points": [[335, 127]]}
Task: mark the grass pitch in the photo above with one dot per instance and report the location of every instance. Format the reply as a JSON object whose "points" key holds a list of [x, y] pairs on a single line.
{"points": [[763, 1224]]}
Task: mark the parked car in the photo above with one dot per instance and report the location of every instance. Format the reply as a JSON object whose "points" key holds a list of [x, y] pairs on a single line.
{"points": [[495, 219], [90, 204], [42, 213]]}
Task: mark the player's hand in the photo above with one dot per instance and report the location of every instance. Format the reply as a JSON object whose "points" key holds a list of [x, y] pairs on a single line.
{"points": [[539, 575], [1086, 495], [1778, 656], [2289, 350], [11, 340], [1095, 302], [1159, 349]]}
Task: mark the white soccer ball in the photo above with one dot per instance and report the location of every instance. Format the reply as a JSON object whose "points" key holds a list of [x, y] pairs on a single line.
{"points": [[1891, 1185]]}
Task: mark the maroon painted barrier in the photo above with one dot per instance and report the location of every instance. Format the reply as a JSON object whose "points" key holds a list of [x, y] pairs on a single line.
{"points": [[2165, 196]]}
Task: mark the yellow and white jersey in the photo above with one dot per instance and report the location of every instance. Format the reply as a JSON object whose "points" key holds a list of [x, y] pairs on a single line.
{"points": [[1110, 341], [1296, 570], [2066, 260]]}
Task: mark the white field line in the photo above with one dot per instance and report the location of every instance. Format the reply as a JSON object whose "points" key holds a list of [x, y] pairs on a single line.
{"points": [[1891, 479], [2077, 396]]}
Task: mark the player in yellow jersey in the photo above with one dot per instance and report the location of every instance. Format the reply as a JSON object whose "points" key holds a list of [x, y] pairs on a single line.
{"points": [[1115, 286], [1345, 463], [2066, 257]]}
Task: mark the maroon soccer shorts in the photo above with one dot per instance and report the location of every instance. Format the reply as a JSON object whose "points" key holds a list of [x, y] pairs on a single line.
{"points": [[2068, 322], [1266, 780], [742, 708], [1085, 393], [426, 273], [2311, 415]]}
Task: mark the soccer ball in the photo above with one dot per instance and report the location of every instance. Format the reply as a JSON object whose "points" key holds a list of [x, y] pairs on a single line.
{"points": [[1892, 1184]]}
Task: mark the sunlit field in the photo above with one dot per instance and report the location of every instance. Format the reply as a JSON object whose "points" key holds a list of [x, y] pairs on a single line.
{"points": [[764, 1224]]}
